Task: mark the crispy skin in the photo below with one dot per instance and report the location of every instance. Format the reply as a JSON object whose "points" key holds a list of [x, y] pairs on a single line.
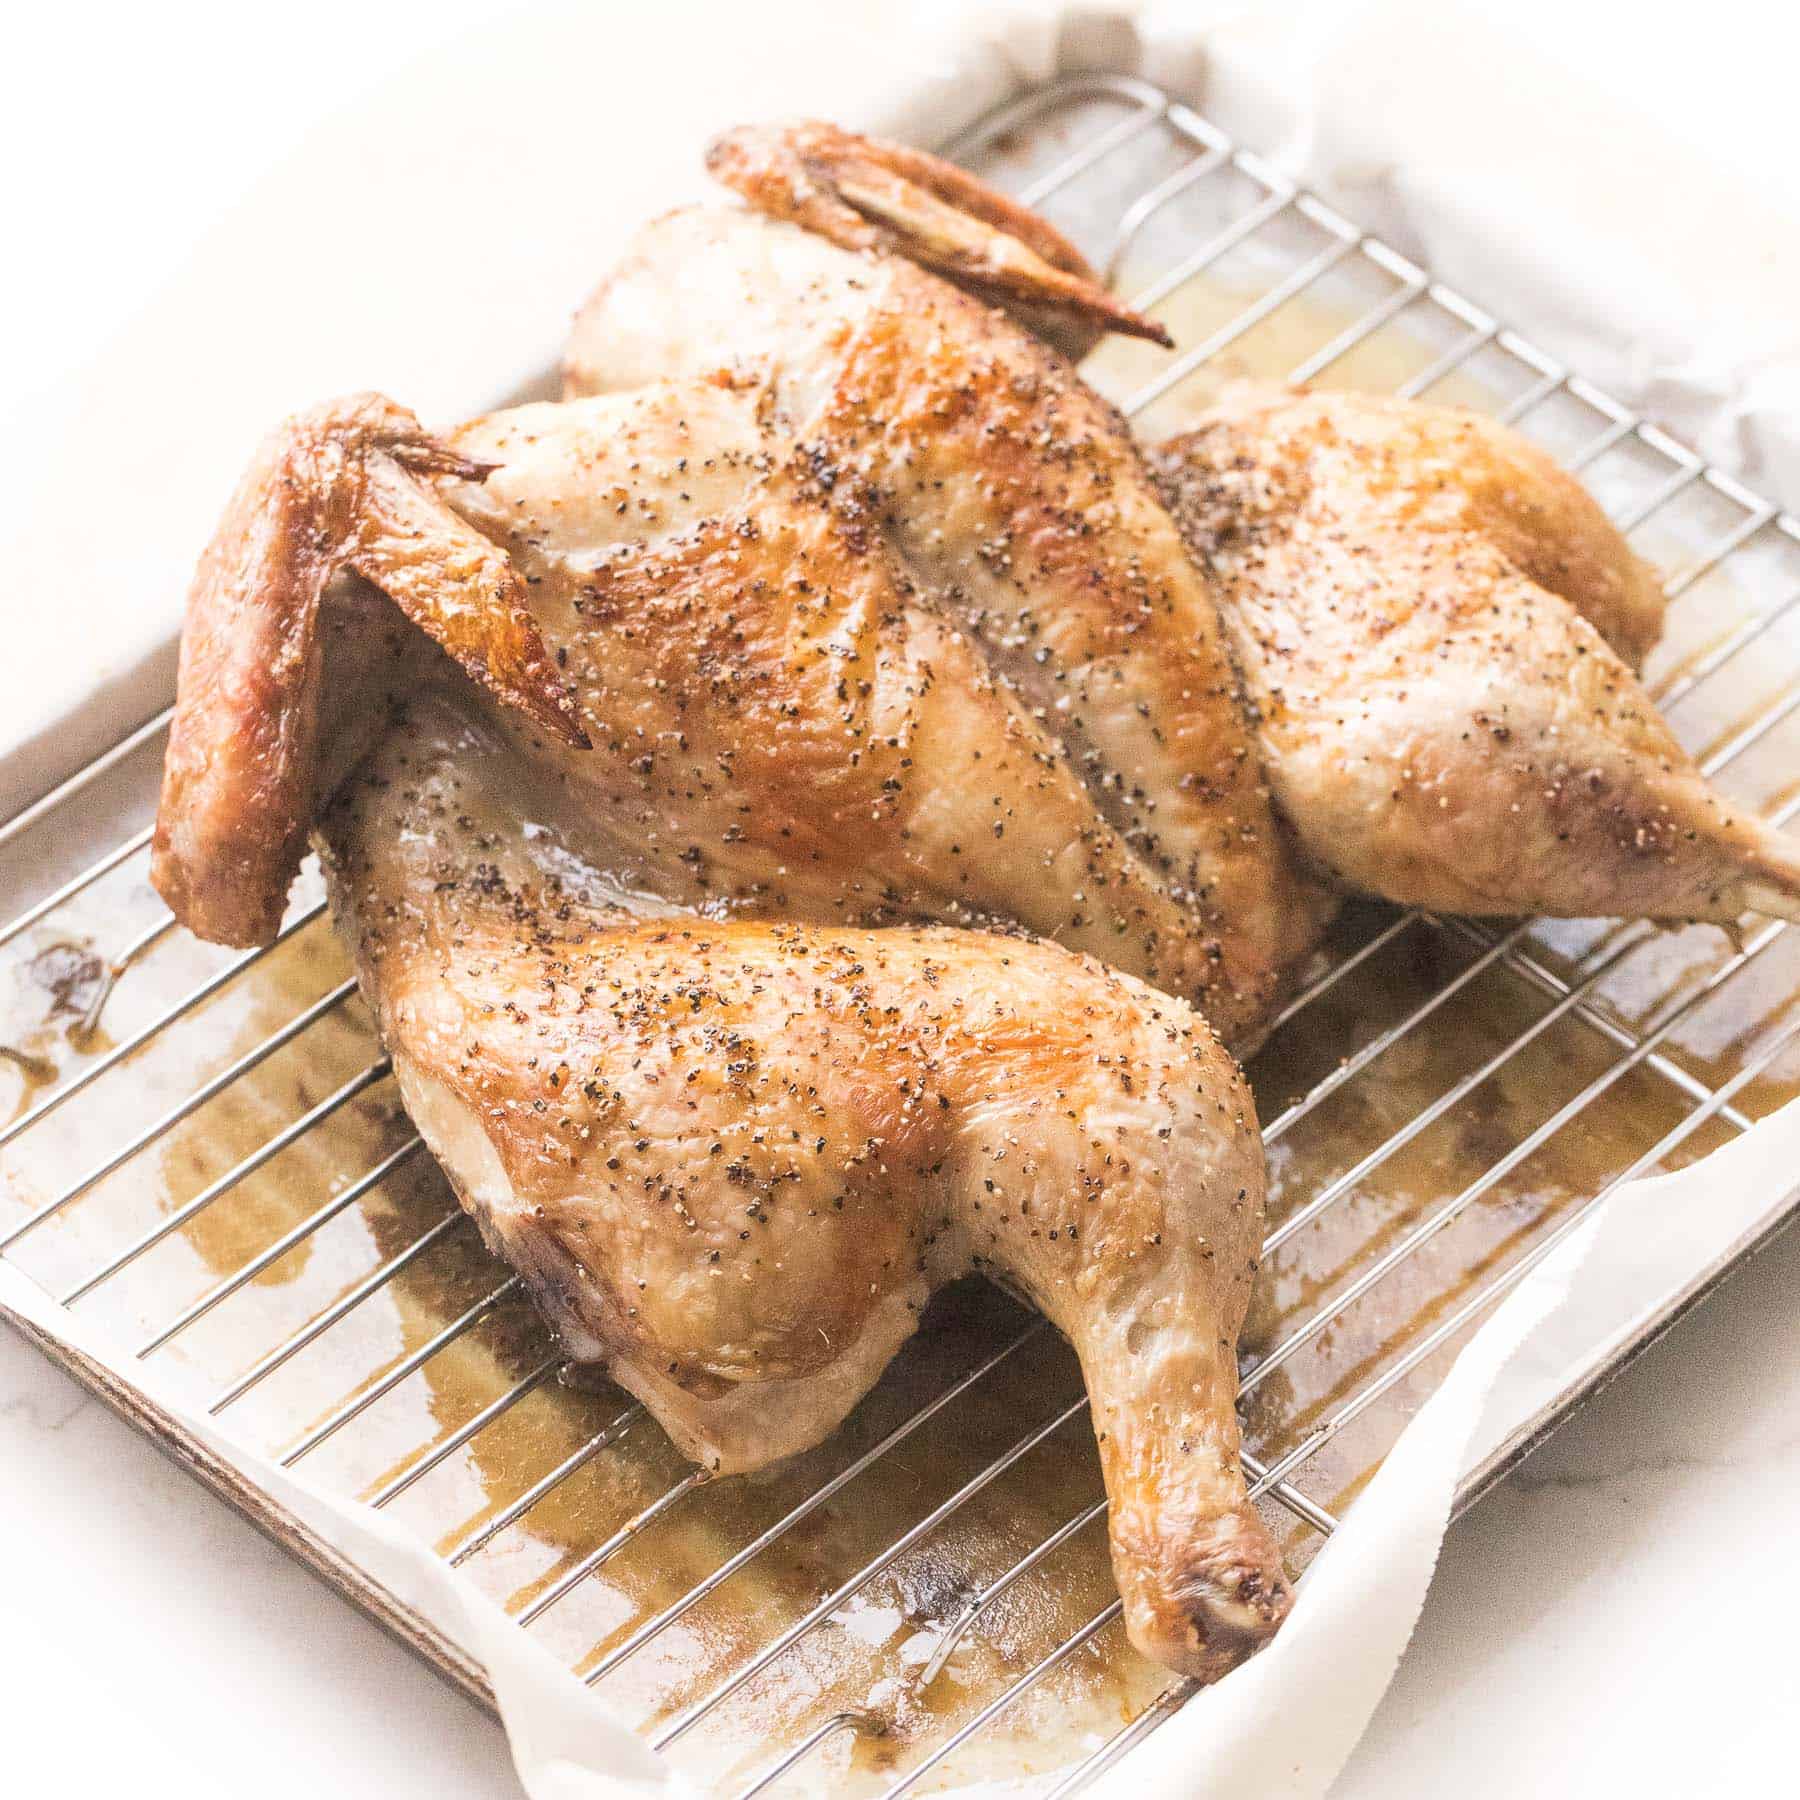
{"points": [[732, 1159], [866, 194], [1016, 504], [1422, 606], [781, 729], [340, 487]]}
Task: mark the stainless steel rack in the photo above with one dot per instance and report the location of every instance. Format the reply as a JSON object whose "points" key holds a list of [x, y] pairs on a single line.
{"points": [[1133, 170]]}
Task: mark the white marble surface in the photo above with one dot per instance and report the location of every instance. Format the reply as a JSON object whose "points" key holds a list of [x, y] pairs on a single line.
{"points": [[1614, 1619]]}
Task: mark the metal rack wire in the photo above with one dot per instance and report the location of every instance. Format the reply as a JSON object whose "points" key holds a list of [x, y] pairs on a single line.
{"points": [[1111, 121]]}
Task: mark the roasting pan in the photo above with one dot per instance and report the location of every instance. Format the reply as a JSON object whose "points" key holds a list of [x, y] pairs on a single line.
{"points": [[205, 1153]]}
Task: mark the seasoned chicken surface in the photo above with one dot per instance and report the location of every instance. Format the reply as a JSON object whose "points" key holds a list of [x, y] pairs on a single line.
{"points": [[780, 721], [1014, 503], [736, 692], [665, 745], [733, 1160], [732, 1156], [1435, 625]]}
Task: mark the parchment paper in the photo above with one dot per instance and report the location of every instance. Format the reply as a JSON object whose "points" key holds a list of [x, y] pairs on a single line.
{"points": [[479, 222]]}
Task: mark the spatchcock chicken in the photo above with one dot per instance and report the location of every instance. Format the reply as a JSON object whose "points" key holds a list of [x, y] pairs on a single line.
{"points": [[814, 810]]}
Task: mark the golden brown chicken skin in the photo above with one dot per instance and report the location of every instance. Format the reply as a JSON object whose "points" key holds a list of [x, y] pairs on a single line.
{"points": [[778, 716], [1436, 626], [733, 1160], [773, 722], [1016, 505]]}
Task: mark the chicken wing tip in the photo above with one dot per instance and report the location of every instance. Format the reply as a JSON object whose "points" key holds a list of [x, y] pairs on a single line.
{"points": [[869, 194]]}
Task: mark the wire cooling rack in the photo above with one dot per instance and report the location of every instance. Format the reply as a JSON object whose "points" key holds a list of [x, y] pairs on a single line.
{"points": [[208, 1147]]}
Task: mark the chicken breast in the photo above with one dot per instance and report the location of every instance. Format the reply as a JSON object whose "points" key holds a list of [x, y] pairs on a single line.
{"points": [[1015, 505], [733, 698]]}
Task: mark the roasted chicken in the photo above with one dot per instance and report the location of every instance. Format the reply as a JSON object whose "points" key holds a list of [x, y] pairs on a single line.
{"points": [[792, 803]]}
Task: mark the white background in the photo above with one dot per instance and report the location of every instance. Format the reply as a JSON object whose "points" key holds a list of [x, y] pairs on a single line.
{"points": [[1616, 1618]]}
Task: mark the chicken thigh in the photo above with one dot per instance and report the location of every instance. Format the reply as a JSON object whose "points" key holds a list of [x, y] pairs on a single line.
{"points": [[1419, 603], [732, 1160], [1435, 625]]}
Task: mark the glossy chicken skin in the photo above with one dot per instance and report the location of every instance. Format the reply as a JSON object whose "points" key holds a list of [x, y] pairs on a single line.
{"points": [[769, 723], [1435, 625], [1015, 504], [780, 724], [732, 1160]]}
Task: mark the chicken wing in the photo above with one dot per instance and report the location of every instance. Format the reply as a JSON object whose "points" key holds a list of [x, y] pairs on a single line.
{"points": [[865, 194], [343, 486]]}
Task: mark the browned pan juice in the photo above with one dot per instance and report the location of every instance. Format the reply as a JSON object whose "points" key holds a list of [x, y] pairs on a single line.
{"points": [[866, 1657]]}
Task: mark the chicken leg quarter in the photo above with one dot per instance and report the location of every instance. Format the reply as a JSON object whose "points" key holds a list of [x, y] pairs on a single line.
{"points": [[1437, 627], [731, 1157]]}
